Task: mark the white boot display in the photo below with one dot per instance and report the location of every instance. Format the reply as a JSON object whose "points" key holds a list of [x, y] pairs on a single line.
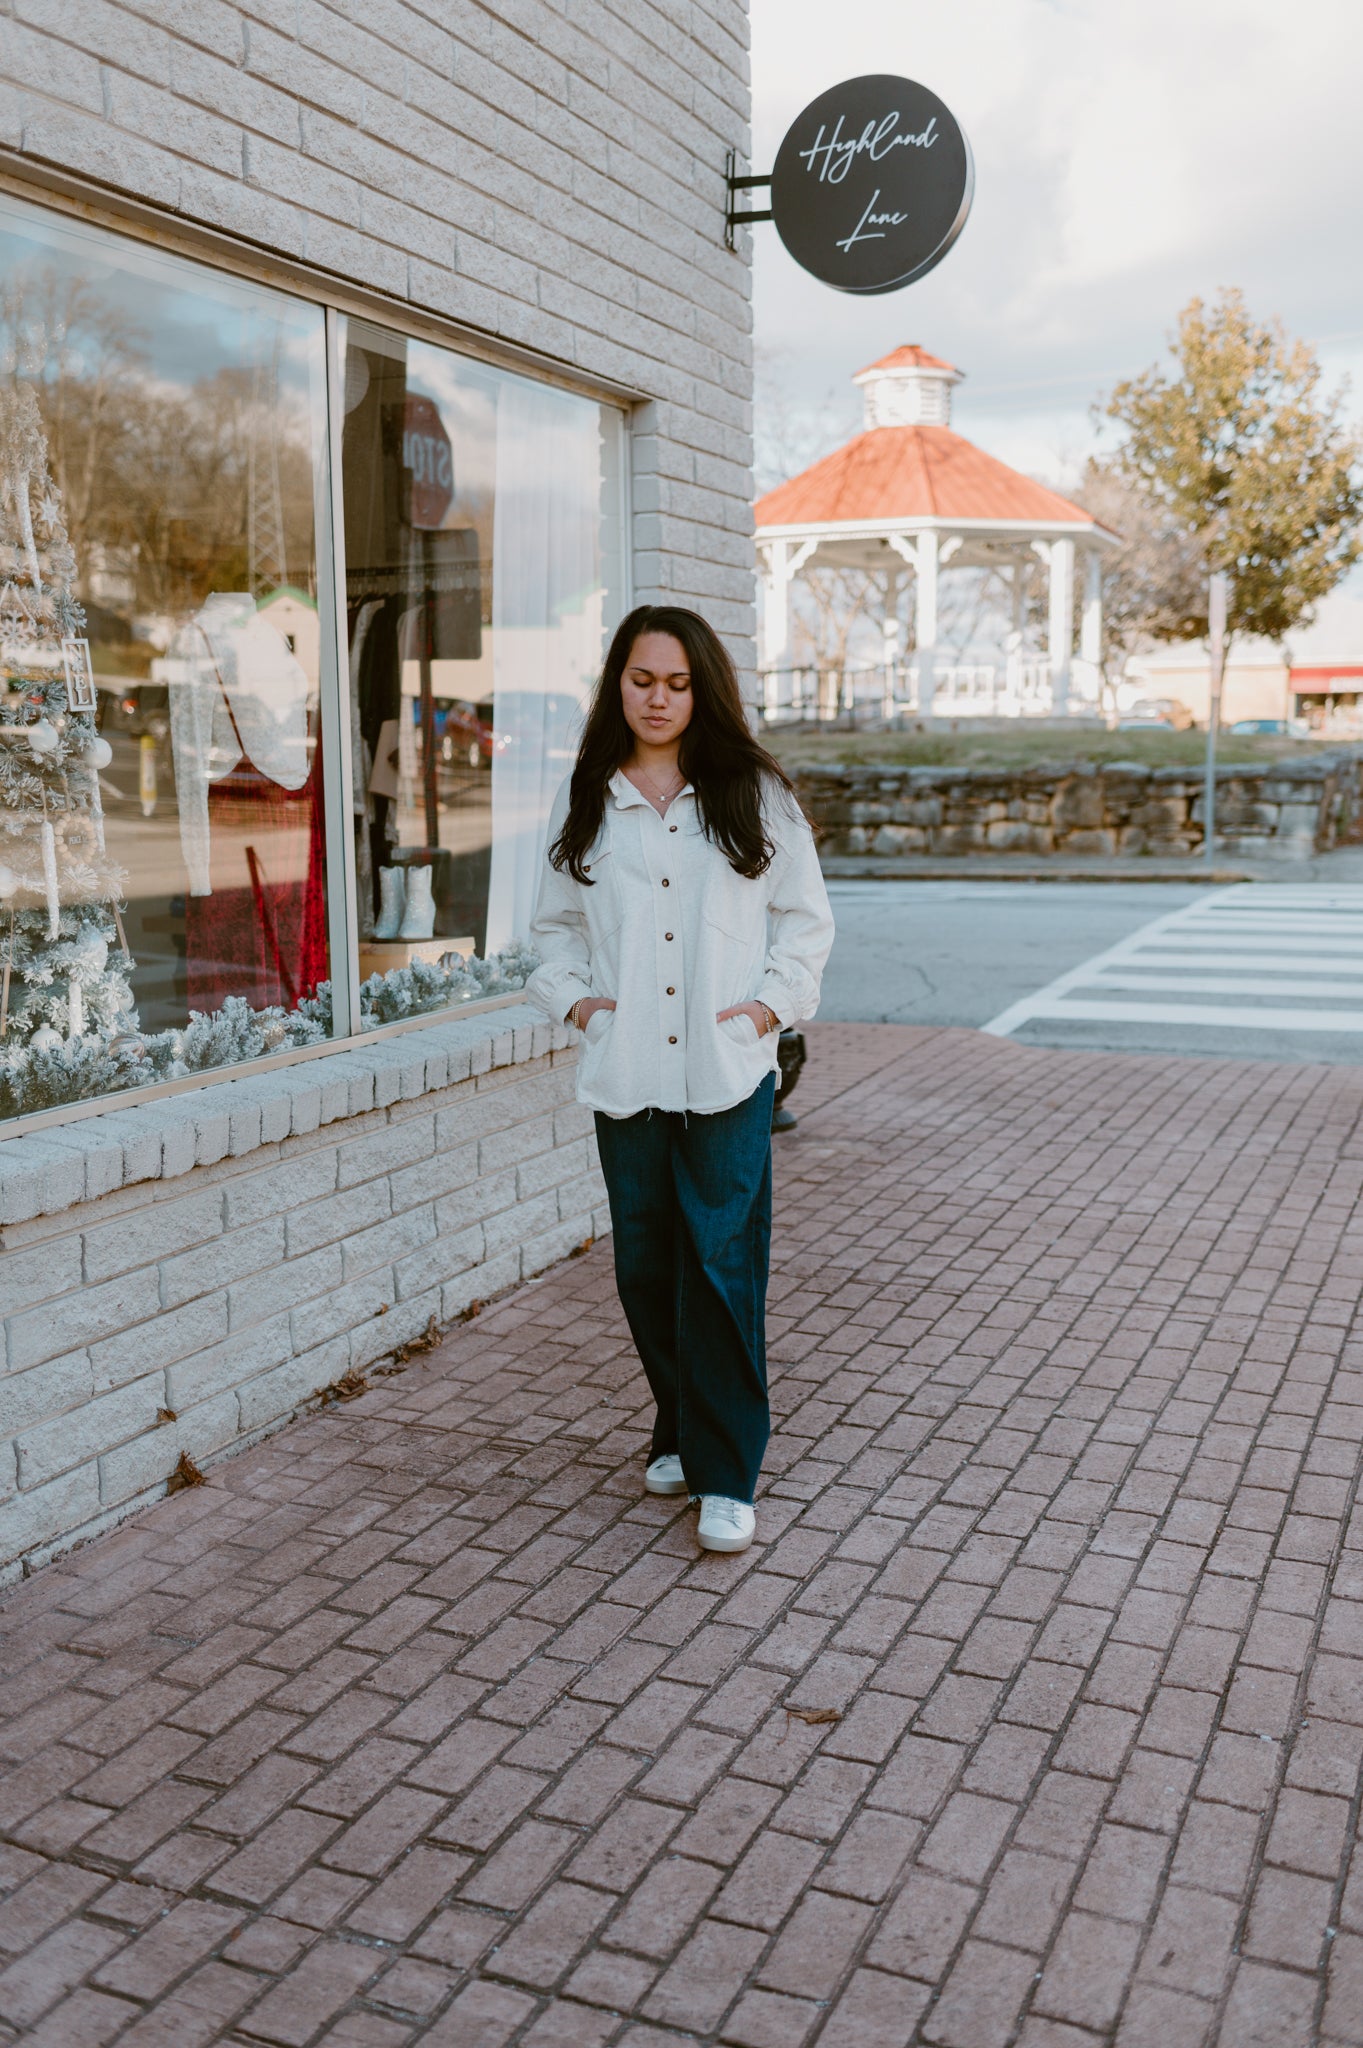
{"points": [[392, 902], [418, 919]]}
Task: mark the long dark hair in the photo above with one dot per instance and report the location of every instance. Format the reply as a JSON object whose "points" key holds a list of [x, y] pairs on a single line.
{"points": [[719, 757]]}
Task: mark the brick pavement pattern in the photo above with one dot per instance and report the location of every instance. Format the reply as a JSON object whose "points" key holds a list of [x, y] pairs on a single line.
{"points": [[1035, 1715]]}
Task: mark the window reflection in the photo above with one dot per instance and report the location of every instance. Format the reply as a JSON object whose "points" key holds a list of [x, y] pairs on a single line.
{"points": [[480, 526], [165, 581], [180, 416]]}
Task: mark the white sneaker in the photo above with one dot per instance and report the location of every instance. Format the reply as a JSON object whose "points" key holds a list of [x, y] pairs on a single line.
{"points": [[725, 1524], [665, 1475]]}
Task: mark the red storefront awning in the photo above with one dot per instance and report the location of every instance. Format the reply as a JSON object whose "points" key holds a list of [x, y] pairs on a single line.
{"points": [[1336, 680]]}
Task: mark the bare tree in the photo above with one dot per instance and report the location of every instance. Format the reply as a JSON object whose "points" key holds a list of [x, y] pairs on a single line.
{"points": [[1154, 581], [790, 434]]}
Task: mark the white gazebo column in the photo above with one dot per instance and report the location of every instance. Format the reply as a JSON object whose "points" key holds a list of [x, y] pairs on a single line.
{"points": [[890, 646], [1061, 635], [1091, 622], [775, 602], [927, 555]]}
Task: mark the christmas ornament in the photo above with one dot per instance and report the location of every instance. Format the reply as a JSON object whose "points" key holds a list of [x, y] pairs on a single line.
{"points": [[43, 738], [51, 886], [45, 1039]]}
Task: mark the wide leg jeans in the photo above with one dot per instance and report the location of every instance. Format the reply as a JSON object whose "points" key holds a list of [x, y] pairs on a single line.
{"points": [[690, 1202]]}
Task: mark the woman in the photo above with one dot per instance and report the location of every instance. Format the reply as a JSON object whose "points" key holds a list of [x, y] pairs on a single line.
{"points": [[682, 921]]}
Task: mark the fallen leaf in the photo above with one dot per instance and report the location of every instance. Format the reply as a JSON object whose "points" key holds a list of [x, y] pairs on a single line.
{"points": [[814, 1717], [186, 1473]]}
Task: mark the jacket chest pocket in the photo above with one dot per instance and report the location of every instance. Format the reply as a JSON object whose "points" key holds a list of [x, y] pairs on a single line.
{"points": [[735, 905], [604, 902]]}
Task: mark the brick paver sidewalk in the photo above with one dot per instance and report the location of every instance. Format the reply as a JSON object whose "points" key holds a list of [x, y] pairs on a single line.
{"points": [[1036, 1715]]}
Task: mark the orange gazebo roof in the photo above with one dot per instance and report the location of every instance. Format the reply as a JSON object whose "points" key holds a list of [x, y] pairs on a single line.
{"points": [[890, 473]]}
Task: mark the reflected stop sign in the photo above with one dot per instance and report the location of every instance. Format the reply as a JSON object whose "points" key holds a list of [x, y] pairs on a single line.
{"points": [[429, 460]]}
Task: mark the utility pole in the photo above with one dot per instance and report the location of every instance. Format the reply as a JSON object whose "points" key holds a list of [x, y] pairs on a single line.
{"points": [[1216, 650], [267, 569]]}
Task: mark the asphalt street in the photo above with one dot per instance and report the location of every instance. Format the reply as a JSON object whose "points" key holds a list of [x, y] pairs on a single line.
{"points": [[1259, 971]]}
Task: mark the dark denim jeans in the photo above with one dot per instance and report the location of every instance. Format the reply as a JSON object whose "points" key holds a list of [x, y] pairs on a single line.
{"points": [[690, 1201]]}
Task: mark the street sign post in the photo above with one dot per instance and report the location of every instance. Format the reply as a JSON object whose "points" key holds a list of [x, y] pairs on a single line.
{"points": [[1216, 650], [872, 184], [428, 459]]}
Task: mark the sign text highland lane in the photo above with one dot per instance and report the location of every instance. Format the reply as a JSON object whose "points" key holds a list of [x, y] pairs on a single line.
{"points": [[872, 184]]}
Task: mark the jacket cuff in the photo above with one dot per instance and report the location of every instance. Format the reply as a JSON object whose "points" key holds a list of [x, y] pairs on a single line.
{"points": [[777, 996], [553, 992]]}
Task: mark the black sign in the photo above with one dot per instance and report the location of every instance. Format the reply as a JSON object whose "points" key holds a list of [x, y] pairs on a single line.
{"points": [[872, 184]]}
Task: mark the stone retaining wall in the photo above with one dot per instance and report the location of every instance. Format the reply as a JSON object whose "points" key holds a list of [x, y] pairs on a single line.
{"points": [[184, 1275], [1286, 809]]}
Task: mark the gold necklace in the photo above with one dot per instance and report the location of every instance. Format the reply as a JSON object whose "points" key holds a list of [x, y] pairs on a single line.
{"points": [[661, 799]]}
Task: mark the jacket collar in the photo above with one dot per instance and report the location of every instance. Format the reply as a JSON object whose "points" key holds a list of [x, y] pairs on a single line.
{"points": [[627, 796]]}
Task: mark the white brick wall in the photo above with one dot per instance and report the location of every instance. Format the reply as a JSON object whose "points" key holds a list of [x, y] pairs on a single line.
{"points": [[225, 1254], [550, 173]]}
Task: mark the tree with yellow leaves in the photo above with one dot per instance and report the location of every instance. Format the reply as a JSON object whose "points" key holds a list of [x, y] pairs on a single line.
{"points": [[1240, 448]]}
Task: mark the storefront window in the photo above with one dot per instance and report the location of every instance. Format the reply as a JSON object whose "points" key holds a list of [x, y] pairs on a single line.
{"points": [[172, 697], [163, 899], [483, 550]]}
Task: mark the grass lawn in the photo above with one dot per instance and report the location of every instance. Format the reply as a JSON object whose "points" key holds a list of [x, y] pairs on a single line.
{"points": [[1024, 746]]}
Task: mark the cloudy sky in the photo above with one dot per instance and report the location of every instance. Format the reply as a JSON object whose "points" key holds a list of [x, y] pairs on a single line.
{"points": [[1128, 154]]}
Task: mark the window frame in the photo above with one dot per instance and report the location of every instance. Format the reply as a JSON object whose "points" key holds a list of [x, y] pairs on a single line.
{"points": [[45, 187]]}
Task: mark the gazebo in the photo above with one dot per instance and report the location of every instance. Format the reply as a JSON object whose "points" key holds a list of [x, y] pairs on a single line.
{"points": [[910, 496]]}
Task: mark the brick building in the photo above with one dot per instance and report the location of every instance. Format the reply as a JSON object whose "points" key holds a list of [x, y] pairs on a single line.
{"points": [[370, 360]]}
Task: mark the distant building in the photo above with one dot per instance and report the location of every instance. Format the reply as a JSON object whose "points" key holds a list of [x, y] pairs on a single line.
{"points": [[1315, 676]]}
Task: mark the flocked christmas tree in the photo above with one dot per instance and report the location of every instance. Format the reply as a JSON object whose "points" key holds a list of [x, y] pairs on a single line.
{"points": [[66, 1022]]}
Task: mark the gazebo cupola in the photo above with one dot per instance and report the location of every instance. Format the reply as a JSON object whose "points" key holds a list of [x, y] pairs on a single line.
{"points": [[908, 388]]}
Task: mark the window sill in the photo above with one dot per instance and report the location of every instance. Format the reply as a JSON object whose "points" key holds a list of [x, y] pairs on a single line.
{"points": [[91, 1149]]}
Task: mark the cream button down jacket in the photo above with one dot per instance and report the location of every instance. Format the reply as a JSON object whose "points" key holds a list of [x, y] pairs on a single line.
{"points": [[668, 930]]}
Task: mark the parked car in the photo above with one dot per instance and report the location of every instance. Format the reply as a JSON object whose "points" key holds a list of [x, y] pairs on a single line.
{"points": [[1271, 726], [1161, 711], [467, 735], [135, 707]]}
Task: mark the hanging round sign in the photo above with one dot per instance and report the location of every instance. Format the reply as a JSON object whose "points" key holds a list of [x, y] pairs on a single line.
{"points": [[872, 184]]}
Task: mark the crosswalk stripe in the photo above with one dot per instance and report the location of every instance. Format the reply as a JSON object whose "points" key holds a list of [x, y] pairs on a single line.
{"points": [[1208, 1013], [1279, 963], [1294, 957], [1229, 985]]}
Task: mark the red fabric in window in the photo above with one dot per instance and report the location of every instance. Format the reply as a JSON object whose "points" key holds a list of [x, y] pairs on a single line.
{"points": [[264, 938]]}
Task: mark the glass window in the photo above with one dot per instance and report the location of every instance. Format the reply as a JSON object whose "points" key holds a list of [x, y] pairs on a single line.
{"points": [[483, 548], [171, 698], [162, 883]]}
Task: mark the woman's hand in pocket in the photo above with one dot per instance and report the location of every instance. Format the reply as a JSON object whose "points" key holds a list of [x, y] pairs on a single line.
{"points": [[757, 1013], [582, 1013]]}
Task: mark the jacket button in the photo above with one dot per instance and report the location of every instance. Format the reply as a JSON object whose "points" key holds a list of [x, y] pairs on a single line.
{"points": [[666, 883], [667, 935], [671, 828], [671, 1041], [671, 991]]}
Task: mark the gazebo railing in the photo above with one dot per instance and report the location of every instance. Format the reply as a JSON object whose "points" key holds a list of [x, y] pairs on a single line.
{"points": [[889, 693]]}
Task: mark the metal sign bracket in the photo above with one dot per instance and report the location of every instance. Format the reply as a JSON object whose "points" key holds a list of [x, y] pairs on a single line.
{"points": [[732, 218]]}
